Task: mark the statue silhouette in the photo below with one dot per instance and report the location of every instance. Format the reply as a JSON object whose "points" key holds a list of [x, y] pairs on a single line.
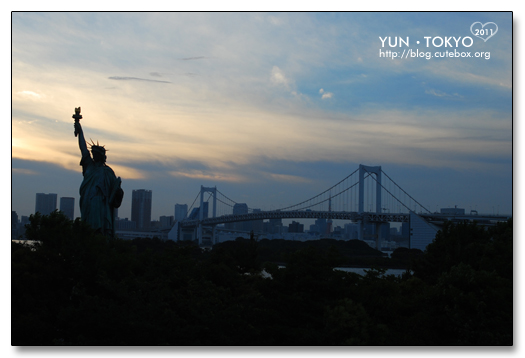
{"points": [[100, 191]]}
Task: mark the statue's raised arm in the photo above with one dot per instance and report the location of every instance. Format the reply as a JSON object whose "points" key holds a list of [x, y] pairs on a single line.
{"points": [[80, 133]]}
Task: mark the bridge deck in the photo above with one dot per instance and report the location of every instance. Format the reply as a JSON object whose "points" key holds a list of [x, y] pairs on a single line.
{"points": [[338, 215], [267, 215]]}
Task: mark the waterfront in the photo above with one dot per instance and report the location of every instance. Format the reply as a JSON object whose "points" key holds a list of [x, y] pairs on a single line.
{"points": [[361, 271]]}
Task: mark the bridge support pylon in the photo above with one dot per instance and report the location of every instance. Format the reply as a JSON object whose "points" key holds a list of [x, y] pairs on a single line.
{"points": [[379, 238], [377, 172], [213, 192], [361, 207]]}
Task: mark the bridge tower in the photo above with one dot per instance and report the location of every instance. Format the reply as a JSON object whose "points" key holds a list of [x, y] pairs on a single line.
{"points": [[213, 192], [329, 222], [377, 172]]}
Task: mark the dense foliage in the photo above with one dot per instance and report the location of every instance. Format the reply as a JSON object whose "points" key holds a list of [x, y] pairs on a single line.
{"points": [[77, 288]]}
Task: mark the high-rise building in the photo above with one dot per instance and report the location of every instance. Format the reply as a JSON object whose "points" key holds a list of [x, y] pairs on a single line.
{"points": [[166, 221], [14, 225], [256, 225], [141, 208], [314, 229], [405, 230], [239, 209], [125, 225], [45, 203], [322, 225], [275, 226], [351, 231], [205, 206], [295, 227], [24, 220], [181, 211], [385, 231], [67, 206]]}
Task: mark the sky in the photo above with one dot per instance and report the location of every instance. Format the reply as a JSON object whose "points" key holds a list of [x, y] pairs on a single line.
{"points": [[272, 108]]}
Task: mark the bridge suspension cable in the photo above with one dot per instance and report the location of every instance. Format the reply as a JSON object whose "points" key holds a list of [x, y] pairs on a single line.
{"points": [[393, 196], [338, 201], [318, 195], [223, 202], [233, 201], [406, 193], [331, 197], [191, 207]]}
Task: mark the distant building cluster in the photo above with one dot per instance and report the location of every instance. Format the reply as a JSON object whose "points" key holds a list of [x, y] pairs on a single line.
{"points": [[45, 204], [18, 226], [141, 223], [141, 204], [416, 233]]}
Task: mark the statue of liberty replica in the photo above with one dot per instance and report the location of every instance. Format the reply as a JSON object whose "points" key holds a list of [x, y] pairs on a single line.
{"points": [[100, 191]]}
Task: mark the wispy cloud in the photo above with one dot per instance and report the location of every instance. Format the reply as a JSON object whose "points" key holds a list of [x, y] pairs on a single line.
{"points": [[209, 175], [193, 58], [119, 78], [325, 95], [29, 95], [24, 171], [439, 93], [278, 78], [289, 178]]}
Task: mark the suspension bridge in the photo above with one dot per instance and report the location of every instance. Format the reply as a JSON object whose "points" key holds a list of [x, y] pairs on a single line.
{"points": [[366, 196]]}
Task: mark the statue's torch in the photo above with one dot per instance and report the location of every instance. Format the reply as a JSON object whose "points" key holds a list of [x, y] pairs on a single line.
{"points": [[77, 117]]}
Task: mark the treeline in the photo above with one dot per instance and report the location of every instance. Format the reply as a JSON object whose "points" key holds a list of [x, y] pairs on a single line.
{"points": [[78, 288], [350, 253]]}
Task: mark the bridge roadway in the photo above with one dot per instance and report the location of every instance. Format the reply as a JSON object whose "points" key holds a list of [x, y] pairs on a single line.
{"points": [[339, 215]]}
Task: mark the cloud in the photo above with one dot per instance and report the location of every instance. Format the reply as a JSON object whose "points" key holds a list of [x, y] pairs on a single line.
{"points": [[213, 176], [279, 78], [439, 93], [30, 95], [193, 58], [24, 171], [325, 94], [289, 178], [118, 78], [275, 20]]}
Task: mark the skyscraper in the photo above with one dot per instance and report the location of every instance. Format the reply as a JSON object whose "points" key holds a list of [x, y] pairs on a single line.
{"points": [[205, 209], [14, 225], [322, 225], [239, 209], [295, 227], [67, 206], [45, 203], [181, 210], [256, 225], [166, 221], [141, 208]]}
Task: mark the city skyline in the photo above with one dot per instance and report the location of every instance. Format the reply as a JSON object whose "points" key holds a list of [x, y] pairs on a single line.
{"points": [[271, 115]]}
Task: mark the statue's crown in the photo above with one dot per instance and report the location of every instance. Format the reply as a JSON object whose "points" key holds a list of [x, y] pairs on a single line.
{"points": [[97, 147]]}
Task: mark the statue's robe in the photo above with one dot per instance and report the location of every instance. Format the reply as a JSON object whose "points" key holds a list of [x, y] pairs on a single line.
{"points": [[100, 194]]}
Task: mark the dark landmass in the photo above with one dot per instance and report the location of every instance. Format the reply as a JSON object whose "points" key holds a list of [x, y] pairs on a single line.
{"points": [[347, 253], [79, 288]]}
